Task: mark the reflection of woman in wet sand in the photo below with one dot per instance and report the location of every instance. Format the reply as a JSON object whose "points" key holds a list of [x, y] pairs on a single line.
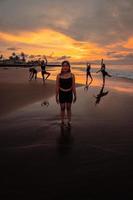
{"points": [[101, 94], [65, 141], [88, 73], [65, 90], [103, 70]]}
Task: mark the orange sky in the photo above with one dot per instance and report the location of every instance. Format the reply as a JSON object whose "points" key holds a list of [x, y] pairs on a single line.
{"points": [[77, 30], [50, 42]]}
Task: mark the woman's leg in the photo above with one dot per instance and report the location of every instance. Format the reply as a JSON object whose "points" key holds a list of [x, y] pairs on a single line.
{"points": [[103, 80], [35, 76], [91, 79], [31, 77], [43, 77], [108, 74], [62, 105], [68, 105], [86, 79], [48, 74]]}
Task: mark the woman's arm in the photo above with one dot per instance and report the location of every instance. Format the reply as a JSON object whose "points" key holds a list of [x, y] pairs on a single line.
{"points": [[46, 61], [57, 88], [74, 88]]}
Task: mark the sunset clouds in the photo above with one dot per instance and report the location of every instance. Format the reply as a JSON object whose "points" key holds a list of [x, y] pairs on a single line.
{"points": [[82, 30]]}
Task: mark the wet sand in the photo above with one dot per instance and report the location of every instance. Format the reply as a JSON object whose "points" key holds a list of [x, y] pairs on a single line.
{"points": [[17, 95], [17, 91], [91, 160]]}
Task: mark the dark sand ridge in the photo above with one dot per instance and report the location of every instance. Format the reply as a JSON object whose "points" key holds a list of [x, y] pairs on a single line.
{"points": [[92, 160]]}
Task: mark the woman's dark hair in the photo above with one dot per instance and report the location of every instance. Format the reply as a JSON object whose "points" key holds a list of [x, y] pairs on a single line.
{"points": [[66, 62]]}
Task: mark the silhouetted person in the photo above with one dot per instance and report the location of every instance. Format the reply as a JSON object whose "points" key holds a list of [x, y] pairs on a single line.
{"points": [[43, 69], [88, 73], [100, 95], [33, 73], [103, 71]]}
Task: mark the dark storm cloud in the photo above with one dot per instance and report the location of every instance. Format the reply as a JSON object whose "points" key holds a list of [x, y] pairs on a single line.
{"points": [[115, 54], [129, 56], [13, 49], [63, 57], [100, 21], [110, 53], [121, 56], [124, 59]]}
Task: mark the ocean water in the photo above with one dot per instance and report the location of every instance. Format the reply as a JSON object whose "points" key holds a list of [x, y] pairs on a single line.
{"points": [[117, 71], [122, 71]]}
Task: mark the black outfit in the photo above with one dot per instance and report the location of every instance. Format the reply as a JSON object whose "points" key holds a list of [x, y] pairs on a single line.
{"points": [[43, 67], [88, 71], [65, 96], [104, 72]]}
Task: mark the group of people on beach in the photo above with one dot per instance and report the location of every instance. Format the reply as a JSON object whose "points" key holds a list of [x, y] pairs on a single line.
{"points": [[102, 70], [65, 86], [33, 70], [66, 90]]}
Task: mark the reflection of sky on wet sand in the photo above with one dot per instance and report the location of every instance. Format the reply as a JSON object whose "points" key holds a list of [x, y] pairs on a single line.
{"points": [[37, 126], [39, 120]]}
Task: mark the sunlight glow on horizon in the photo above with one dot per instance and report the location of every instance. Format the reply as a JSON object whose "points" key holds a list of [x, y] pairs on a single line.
{"points": [[57, 45], [46, 41]]}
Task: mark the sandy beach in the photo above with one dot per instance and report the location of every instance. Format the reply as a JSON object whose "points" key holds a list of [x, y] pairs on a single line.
{"points": [[67, 134], [91, 160], [17, 91]]}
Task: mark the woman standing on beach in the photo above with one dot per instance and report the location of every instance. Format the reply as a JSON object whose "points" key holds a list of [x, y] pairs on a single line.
{"points": [[103, 70], [43, 68], [65, 90], [88, 73]]}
